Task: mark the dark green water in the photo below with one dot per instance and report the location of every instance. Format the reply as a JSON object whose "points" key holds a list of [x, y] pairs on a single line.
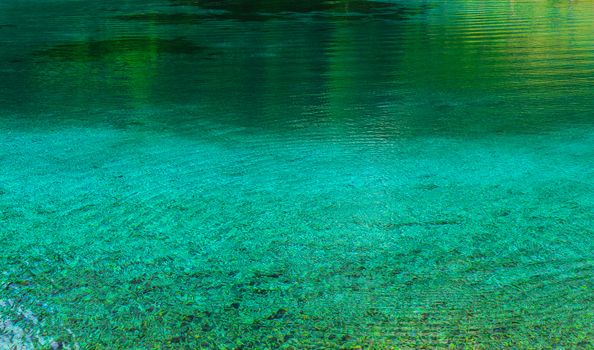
{"points": [[296, 174]]}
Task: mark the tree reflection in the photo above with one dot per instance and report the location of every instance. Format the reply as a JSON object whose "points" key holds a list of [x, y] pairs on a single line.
{"points": [[387, 67]]}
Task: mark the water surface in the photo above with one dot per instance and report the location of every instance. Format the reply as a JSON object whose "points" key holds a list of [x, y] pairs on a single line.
{"points": [[312, 174]]}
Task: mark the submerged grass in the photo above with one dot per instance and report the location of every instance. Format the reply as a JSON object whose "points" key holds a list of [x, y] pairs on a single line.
{"points": [[123, 238], [296, 174]]}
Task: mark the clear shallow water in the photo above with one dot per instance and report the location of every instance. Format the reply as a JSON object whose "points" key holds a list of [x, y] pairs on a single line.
{"points": [[312, 174]]}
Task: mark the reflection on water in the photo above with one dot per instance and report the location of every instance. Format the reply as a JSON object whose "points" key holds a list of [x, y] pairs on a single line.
{"points": [[264, 9], [114, 48], [406, 66], [322, 174]]}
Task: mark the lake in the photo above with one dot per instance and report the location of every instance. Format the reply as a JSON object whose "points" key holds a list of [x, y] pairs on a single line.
{"points": [[308, 174]]}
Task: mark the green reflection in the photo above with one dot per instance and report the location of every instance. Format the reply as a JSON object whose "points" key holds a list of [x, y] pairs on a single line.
{"points": [[306, 174], [267, 9], [128, 49], [450, 68]]}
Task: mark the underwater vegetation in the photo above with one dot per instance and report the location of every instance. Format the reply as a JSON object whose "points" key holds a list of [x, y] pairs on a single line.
{"points": [[296, 174]]}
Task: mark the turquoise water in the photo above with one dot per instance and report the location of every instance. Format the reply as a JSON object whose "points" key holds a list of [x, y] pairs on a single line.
{"points": [[314, 174]]}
